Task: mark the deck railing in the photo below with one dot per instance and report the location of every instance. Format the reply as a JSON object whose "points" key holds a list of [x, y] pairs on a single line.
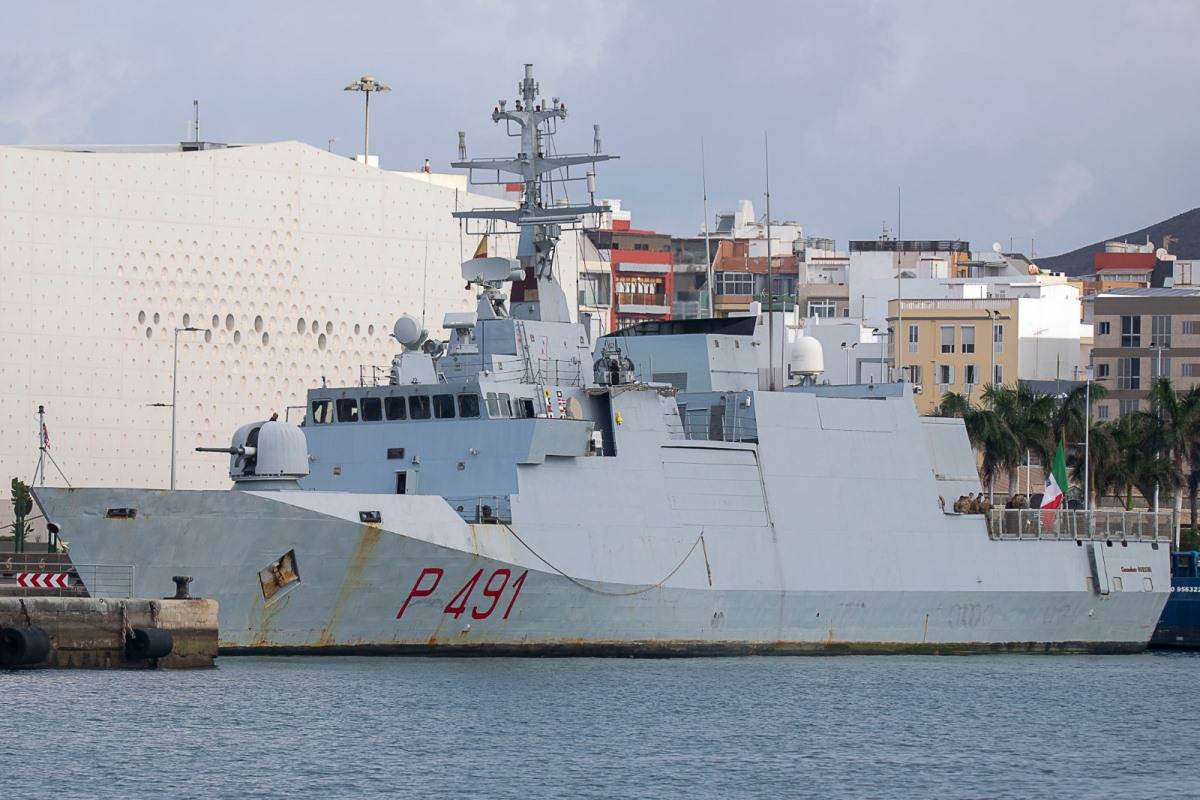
{"points": [[1103, 524], [82, 580]]}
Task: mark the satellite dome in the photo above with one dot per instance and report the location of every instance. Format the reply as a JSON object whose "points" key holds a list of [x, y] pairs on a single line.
{"points": [[805, 356]]}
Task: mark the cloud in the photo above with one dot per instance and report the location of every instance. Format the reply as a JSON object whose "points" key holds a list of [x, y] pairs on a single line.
{"points": [[51, 98], [1066, 187]]}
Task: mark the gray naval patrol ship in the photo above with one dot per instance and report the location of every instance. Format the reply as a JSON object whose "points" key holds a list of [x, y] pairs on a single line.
{"points": [[521, 489]]}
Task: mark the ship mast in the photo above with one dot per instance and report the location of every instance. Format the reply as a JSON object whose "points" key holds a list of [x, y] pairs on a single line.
{"points": [[539, 227]]}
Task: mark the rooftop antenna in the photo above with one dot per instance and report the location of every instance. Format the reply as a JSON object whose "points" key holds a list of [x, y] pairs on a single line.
{"points": [[367, 84], [196, 120], [708, 265], [899, 359], [329, 144], [39, 471], [462, 145], [770, 270]]}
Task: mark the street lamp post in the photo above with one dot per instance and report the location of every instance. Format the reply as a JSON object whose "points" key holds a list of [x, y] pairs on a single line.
{"points": [[367, 84], [847, 347], [174, 395]]}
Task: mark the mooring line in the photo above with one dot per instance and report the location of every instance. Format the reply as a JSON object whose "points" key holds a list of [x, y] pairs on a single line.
{"points": [[583, 585]]}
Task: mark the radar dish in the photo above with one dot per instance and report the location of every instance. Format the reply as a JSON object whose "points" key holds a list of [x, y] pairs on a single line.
{"points": [[408, 332], [996, 247], [492, 270]]}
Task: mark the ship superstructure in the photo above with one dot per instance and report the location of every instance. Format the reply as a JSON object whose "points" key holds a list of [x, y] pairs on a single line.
{"points": [[519, 488]]}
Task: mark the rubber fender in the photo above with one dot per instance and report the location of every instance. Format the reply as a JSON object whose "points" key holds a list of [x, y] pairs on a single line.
{"points": [[23, 646], [145, 643]]}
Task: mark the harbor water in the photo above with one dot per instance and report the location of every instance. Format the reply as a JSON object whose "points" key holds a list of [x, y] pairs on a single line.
{"points": [[983, 726]]}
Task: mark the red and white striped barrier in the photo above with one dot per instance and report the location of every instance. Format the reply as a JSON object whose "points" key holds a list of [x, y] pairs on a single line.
{"points": [[43, 580]]}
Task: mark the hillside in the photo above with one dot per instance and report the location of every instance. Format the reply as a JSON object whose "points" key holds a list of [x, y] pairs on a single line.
{"points": [[1184, 227]]}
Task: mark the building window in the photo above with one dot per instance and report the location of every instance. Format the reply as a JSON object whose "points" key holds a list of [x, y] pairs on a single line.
{"points": [[1131, 331], [822, 308], [914, 340], [914, 372], [945, 374], [969, 374], [997, 338], [1160, 330], [968, 338], [735, 283], [1102, 370], [946, 332], [1102, 411], [1191, 369], [1191, 327], [594, 289], [1103, 328], [998, 375], [1129, 373], [1160, 367], [1127, 406]]}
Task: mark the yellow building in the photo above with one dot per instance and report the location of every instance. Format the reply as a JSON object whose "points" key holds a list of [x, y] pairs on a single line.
{"points": [[954, 345]]}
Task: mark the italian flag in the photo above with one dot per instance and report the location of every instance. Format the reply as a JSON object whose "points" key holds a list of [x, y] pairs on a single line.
{"points": [[1056, 486]]}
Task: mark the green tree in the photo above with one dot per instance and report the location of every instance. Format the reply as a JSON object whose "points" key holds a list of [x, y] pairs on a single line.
{"points": [[22, 503], [997, 446]]}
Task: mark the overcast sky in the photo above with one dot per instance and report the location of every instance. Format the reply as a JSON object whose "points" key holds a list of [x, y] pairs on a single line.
{"points": [[1061, 121]]}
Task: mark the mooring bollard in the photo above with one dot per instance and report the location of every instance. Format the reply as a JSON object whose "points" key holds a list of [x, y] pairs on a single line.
{"points": [[182, 582]]}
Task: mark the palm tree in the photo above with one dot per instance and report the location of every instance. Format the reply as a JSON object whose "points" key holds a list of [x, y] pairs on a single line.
{"points": [[1026, 414], [1174, 425]]}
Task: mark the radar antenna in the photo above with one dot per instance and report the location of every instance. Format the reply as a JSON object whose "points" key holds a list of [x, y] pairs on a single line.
{"points": [[538, 225]]}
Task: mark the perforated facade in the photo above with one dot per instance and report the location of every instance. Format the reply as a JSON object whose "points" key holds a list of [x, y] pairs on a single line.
{"points": [[295, 260]]}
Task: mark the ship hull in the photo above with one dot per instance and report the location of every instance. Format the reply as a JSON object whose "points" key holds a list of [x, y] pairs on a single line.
{"points": [[431, 585]]}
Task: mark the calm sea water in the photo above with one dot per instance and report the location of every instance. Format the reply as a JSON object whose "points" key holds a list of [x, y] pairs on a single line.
{"points": [[980, 726]]}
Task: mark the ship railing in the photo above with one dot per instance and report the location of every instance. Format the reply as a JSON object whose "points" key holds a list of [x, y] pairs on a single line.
{"points": [[82, 580], [374, 375], [557, 372], [485, 509], [1103, 524], [705, 425]]}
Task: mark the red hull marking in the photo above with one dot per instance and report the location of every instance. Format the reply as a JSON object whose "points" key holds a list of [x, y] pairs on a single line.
{"points": [[462, 596], [420, 591], [516, 591], [492, 593]]}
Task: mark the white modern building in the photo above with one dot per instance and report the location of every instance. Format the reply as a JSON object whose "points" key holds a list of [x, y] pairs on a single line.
{"points": [[293, 261]]}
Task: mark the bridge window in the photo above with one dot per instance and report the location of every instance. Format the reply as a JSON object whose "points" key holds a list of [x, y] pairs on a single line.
{"points": [[493, 407], [525, 407], [443, 406], [347, 409], [322, 412], [394, 408], [505, 405], [418, 407], [468, 405], [372, 409]]}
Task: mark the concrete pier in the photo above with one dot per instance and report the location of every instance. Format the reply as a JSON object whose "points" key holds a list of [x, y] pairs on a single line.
{"points": [[112, 633]]}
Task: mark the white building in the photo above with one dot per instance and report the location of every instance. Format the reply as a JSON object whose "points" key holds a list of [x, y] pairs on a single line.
{"points": [[295, 261]]}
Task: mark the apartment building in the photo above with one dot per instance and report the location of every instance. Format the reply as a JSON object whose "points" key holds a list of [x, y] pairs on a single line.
{"points": [[993, 332], [1140, 334]]}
